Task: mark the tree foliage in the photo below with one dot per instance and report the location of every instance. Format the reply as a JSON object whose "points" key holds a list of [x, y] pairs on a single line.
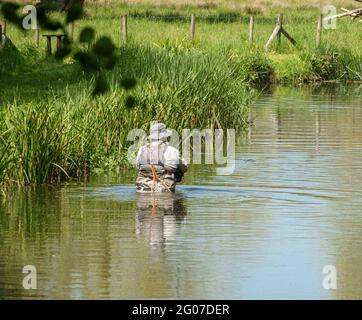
{"points": [[100, 55]]}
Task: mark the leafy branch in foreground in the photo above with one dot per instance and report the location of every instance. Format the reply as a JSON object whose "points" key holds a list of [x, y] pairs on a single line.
{"points": [[99, 56]]}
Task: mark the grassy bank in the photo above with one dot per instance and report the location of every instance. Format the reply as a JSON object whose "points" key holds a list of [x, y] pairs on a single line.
{"points": [[222, 29]]}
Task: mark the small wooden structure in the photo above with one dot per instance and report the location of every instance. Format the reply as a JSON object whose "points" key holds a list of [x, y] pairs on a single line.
{"points": [[2, 33], [49, 42], [278, 32]]}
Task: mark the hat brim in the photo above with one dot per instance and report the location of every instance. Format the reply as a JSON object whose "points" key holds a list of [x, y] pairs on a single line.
{"points": [[159, 136]]}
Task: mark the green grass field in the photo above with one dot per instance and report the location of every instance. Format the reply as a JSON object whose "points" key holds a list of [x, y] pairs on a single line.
{"points": [[221, 30]]}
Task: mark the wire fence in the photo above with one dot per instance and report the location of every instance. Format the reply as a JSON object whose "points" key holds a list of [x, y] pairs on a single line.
{"points": [[192, 20], [209, 18]]}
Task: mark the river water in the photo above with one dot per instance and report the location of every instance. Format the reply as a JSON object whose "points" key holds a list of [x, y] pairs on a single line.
{"points": [[292, 207]]}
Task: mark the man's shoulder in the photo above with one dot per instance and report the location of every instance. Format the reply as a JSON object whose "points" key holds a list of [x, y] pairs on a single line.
{"points": [[141, 148], [172, 149]]}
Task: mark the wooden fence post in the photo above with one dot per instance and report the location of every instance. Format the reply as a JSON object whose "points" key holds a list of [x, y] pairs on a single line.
{"points": [[319, 30], [251, 30], [37, 37], [4, 27], [49, 46], [193, 21], [280, 24], [71, 30], [124, 22], [278, 31], [59, 42], [1, 35]]}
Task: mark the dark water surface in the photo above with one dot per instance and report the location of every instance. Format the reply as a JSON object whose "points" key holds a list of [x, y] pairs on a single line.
{"points": [[292, 206]]}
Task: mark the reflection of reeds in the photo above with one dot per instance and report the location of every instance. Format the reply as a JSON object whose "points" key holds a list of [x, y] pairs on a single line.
{"points": [[69, 135]]}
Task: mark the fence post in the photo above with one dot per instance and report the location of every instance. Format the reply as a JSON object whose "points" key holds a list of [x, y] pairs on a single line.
{"points": [[59, 42], [251, 30], [49, 46], [280, 24], [124, 22], [71, 30], [193, 26], [1, 35], [319, 30], [4, 27], [37, 37]]}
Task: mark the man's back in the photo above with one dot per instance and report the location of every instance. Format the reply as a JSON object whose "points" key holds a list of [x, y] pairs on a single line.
{"points": [[157, 163]]}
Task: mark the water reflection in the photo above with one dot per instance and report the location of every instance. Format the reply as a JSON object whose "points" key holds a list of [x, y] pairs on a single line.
{"points": [[159, 216]]}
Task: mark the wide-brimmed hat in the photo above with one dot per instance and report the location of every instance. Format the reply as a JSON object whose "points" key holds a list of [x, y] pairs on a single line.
{"points": [[158, 131]]}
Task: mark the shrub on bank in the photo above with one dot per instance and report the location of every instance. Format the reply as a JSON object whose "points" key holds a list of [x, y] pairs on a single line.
{"points": [[256, 68]]}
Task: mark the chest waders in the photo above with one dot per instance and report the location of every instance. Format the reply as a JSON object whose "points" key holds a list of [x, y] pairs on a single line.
{"points": [[155, 179]]}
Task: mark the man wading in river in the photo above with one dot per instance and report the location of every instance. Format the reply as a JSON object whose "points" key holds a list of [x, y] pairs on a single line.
{"points": [[159, 165]]}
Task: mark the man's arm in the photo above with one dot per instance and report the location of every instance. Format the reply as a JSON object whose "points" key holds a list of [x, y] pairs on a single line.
{"points": [[138, 157], [173, 161], [183, 165]]}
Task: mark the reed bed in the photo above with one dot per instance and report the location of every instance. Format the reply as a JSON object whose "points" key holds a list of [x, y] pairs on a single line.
{"points": [[71, 135]]}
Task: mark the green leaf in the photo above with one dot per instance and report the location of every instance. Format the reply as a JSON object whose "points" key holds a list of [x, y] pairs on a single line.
{"points": [[74, 13], [52, 25], [101, 85], [62, 52], [44, 22], [128, 83], [104, 47], [86, 35], [109, 62], [9, 6], [66, 40], [88, 61], [9, 11], [130, 102]]}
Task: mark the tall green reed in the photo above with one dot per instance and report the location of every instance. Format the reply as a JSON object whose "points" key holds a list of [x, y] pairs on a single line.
{"points": [[70, 135]]}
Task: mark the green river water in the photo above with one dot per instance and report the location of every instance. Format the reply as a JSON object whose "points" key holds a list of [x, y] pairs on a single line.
{"points": [[292, 206]]}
